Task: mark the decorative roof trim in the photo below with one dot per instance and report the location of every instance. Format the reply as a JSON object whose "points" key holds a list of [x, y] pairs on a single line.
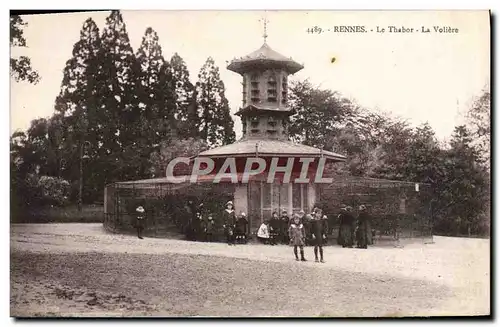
{"points": [[253, 108]]}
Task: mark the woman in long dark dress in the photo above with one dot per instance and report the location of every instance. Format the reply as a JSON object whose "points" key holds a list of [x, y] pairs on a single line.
{"points": [[229, 221], [362, 228], [346, 227]]}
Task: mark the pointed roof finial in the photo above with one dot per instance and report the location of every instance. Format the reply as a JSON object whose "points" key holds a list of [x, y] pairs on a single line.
{"points": [[265, 21]]}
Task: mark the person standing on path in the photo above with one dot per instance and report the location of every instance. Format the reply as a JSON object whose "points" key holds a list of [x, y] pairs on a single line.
{"points": [[346, 230], [229, 221], [318, 233], [139, 224], [284, 225], [362, 228], [274, 228], [297, 236]]}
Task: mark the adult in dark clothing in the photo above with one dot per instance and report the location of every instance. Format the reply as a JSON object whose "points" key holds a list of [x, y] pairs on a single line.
{"points": [[139, 224], [198, 227], [241, 228], [274, 228], [189, 212], [229, 221], [346, 230], [362, 228], [284, 224], [318, 231]]}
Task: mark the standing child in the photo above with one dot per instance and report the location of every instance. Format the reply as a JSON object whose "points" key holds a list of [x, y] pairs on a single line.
{"points": [[318, 233], [209, 229], [241, 228], [139, 221], [297, 236]]}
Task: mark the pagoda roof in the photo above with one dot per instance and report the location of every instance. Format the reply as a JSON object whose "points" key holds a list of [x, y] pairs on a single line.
{"points": [[267, 148], [262, 57], [260, 108]]}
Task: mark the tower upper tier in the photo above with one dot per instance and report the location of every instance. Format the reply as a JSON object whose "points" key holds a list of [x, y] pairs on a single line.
{"points": [[264, 58]]}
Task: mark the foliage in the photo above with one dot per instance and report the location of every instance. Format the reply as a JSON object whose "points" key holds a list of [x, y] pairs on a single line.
{"points": [[20, 68], [479, 122], [217, 126], [187, 120], [319, 114], [174, 149]]}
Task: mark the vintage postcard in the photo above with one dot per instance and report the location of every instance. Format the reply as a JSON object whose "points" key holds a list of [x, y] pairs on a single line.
{"points": [[250, 164]]}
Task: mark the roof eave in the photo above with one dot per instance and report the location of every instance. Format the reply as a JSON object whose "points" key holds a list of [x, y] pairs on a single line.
{"points": [[242, 66], [337, 158], [253, 108]]}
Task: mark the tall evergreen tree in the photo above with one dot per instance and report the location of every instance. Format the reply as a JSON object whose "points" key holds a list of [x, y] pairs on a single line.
{"points": [[156, 98], [186, 114], [77, 124], [117, 78], [217, 126]]}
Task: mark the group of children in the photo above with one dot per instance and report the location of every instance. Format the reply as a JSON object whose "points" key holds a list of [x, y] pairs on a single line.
{"points": [[301, 229]]}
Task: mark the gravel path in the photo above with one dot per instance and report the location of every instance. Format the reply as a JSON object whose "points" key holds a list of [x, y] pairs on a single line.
{"points": [[79, 269]]}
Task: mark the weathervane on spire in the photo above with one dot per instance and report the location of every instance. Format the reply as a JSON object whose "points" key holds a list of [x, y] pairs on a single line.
{"points": [[265, 21]]}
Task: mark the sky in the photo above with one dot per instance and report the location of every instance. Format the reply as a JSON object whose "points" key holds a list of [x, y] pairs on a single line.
{"points": [[421, 77]]}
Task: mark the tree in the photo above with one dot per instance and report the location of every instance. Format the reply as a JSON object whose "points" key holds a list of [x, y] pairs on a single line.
{"points": [[118, 106], [319, 116], [172, 149], [478, 121], [20, 68], [217, 126], [78, 124], [156, 99], [463, 191], [186, 115], [424, 156]]}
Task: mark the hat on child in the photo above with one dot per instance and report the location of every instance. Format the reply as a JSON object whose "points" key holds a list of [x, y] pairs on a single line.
{"points": [[139, 209], [229, 203]]}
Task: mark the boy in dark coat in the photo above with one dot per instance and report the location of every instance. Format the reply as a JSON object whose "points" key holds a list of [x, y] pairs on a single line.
{"points": [[318, 233], [297, 236]]}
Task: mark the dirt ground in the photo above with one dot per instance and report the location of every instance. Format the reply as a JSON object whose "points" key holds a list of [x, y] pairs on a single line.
{"points": [[81, 270]]}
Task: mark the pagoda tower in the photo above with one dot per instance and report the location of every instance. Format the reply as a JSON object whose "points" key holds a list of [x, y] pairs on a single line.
{"points": [[265, 116]]}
